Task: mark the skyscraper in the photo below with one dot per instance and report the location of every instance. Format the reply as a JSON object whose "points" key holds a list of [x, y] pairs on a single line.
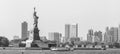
{"points": [[74, 31], [99, 35], [67, 32], [111, 35], [115, 36], [24, 30], [119, 34], [51, 36], [89, 35], [70, 31], [107, 36]]}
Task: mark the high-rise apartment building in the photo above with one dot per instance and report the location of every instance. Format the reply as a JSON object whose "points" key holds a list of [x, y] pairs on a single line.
{"points": [[90, 35], [24, 30], [107, 36], [51, 36], [111, 35], [114, 33], [94, 36], [67, 32], [99, 35], [74, 31], [119, 34], [70, 31], [115, 36]]}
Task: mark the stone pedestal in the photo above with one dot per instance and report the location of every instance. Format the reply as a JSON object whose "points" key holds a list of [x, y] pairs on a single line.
{"points": [[36, 34]]}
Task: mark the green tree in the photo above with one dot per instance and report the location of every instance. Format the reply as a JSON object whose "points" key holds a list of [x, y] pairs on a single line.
{"points": [[4, 42], [117, 45]]}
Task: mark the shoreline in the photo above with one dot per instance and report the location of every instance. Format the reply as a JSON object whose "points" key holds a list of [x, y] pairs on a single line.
{"points": [[34, 48]]}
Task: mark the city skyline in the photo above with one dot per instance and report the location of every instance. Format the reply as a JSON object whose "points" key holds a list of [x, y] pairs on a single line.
{"points": [[53, 15]]}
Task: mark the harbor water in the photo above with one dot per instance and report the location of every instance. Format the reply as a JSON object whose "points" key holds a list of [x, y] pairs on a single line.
{"points": [[108, 51]]}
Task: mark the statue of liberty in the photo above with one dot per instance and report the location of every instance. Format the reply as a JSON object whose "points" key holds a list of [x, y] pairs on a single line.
{"points": [[34, 34], [34, 39], [35, 18], [35, 30]]}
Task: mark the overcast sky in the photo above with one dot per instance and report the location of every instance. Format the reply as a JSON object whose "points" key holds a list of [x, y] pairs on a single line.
{"points": [[54, 14]]}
